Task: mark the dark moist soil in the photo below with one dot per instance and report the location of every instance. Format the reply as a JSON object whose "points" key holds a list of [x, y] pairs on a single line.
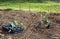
{"points": [[31, 18]]}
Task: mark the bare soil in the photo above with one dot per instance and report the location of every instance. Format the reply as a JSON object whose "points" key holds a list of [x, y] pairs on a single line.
{"points": [[31, 18]]}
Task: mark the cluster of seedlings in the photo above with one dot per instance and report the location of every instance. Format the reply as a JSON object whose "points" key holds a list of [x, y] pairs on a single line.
{"points": [[45, 21], [16, 26], [13, 27]]}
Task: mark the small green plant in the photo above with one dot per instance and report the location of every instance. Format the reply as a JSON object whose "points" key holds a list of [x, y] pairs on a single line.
{"points": [[14, 23], [47, 21]]}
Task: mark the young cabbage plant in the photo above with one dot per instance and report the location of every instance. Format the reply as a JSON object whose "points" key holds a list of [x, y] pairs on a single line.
{"points": [[47, 21], [13, 27]]}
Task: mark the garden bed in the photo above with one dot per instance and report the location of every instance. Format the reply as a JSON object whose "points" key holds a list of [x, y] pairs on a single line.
{"points": [[31, 18]]}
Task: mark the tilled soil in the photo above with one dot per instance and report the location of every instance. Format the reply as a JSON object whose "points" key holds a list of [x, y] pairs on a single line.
{"points": [[31, 18]]}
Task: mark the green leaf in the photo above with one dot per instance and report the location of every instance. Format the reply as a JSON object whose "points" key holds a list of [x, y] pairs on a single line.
{"points": [[16, 22]]}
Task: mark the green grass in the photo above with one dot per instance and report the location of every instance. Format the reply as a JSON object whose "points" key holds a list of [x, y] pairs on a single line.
{"points": [[35, 7]]}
